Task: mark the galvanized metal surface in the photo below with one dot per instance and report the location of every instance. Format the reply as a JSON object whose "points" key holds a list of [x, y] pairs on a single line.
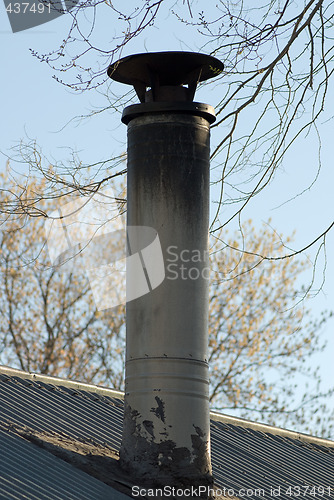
{"points": [[245, 455], [28, 472], [166, 370], [246, 459], [45, 407]]}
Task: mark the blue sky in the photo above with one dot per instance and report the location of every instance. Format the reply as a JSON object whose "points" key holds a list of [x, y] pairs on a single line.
{"points": [[34, 105]]}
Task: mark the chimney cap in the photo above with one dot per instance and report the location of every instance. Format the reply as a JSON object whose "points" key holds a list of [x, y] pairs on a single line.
{"points": [[156, 69]]}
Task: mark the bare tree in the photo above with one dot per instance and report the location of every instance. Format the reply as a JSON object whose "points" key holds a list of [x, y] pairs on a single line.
{"points": [[278, 58], [261, 334], [49, 320]]}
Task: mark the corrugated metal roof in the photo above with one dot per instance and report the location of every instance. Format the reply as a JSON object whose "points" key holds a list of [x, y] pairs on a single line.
{"points": [[31, 473], [51, 408], [245, 455], [249, 459]]}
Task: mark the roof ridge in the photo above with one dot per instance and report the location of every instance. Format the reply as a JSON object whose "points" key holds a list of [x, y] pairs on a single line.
{"points": [[271, 429], [57, 381]]}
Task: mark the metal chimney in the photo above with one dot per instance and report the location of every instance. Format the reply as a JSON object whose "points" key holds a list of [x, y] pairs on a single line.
{"points": [[166, 435]]}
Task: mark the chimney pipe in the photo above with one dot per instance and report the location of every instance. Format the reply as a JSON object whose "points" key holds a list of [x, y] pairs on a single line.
{"points": [[166, 434]]}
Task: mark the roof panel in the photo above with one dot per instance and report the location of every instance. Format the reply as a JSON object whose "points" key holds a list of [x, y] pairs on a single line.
{"points": [[56, 409], [245, 455], [29, 472]]}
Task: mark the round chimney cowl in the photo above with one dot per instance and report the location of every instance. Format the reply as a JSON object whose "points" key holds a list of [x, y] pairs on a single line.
{"points": [[155, 70]]}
